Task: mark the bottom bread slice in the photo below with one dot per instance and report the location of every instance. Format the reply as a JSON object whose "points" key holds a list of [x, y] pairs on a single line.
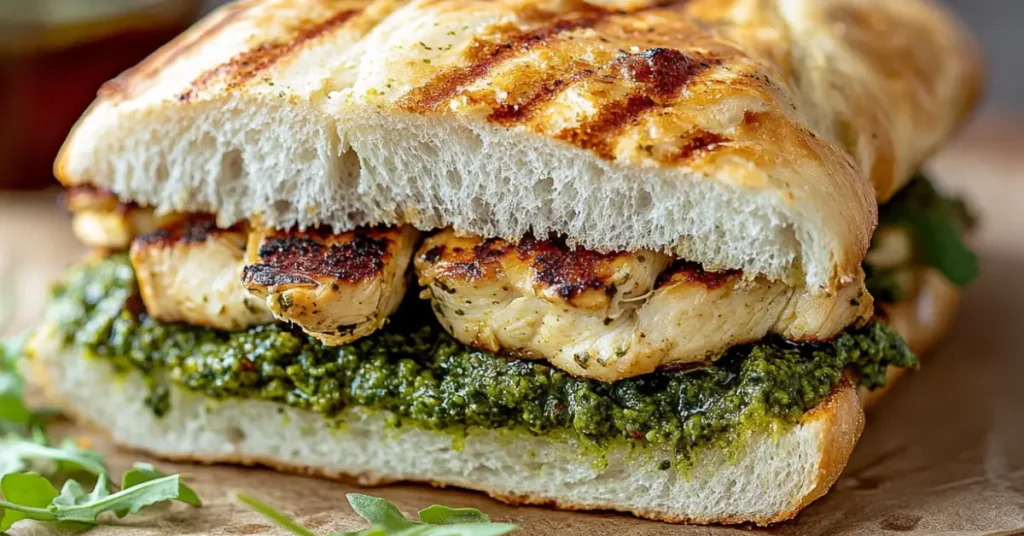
{"points": [[769, 479]]}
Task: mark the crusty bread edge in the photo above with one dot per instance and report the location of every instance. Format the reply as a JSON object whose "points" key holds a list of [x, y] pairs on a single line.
{"points": [[839, 419], [842, 421]]}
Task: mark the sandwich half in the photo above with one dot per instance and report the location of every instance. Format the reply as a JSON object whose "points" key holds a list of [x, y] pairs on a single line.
{"points": [[605, 255]]}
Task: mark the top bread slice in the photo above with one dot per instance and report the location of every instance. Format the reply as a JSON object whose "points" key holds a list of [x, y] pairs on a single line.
{"points": [[741, 134]]}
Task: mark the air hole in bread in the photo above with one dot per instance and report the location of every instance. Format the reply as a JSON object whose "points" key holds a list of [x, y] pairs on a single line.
{"points": [[282, 206], [643, 201], [543, 187], [454, 179], [161, 172], [231, 165], [481, 211], [234, 435]]}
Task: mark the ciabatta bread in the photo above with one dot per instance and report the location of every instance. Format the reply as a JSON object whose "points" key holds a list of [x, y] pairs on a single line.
{"points": [[738, 134]]}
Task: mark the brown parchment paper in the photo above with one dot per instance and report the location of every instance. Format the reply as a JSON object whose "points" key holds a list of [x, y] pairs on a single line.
{"points": [[943, 452]]}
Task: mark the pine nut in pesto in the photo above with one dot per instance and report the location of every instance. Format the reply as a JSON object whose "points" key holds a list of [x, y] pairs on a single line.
{"points": [[425, 378]]}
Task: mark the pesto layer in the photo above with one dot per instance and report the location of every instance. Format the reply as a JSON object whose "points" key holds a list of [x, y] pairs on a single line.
{"points": [[936, 224], [417, 372]]}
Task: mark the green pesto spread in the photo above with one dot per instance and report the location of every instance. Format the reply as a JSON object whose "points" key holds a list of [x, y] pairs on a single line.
{"points": [[936, 224], [425, 378]]}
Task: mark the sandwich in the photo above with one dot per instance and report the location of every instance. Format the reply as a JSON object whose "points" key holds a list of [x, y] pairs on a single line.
{"points": [[591, 255]]}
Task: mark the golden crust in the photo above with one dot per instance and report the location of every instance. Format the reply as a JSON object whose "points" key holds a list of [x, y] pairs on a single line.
{"points": [[659, 87], [895, 79], [241, 48], [844, 424], [922, 320]]}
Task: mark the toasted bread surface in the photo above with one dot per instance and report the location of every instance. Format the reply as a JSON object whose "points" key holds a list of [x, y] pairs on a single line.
{"points": [[737, 134]]}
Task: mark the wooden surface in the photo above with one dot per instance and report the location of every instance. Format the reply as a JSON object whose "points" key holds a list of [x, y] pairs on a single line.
{"points": [[944, 451]]}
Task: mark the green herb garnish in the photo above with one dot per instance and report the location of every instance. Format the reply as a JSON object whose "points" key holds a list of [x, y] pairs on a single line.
{"points": [[18, 454], [937, 224], [31, 495], [386, 520]]}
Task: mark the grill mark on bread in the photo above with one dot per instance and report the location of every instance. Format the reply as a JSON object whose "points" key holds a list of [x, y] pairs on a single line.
{"points": [[300, 258], [245, 66], [683, 271], [125, 84], [194, 229], [697, 144], [546, 91], [483, 56], [658, 76]]}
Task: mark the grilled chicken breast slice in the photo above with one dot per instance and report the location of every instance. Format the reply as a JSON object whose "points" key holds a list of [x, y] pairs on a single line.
{"points": [[336, 287], [610, 316], [100, 220], [190, 272]]}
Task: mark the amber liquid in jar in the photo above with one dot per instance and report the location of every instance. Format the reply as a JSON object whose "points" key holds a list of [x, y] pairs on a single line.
{"points": [[53, 61]]}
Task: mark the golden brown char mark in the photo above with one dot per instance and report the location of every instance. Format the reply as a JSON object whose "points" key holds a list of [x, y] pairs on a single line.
{"points": [[247, 65], [696, 144], [485, 55], [303, 257], [657, 75], [194, 229], [683, 271], [568, 272], [126, 84], [466, 259], [556, 268], [541, 92]]}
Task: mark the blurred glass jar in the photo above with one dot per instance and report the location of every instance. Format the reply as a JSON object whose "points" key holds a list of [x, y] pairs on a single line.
{"points": [[54, 55]]}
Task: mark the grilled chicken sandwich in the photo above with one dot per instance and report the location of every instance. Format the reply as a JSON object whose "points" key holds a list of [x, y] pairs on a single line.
{"points": [[594, 255]]}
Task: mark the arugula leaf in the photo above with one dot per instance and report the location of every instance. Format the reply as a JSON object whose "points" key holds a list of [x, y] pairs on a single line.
{"points": [[11, 350], [936, 223], [274, 515], [76, 505], [30, 496], [16, 452], [378, 512], [26, 496], [73, 494], [12, 408], [436, 520], [442, 515], [12, 388], [144, 472], [15, 416], [940, 245], [387, 520]]}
